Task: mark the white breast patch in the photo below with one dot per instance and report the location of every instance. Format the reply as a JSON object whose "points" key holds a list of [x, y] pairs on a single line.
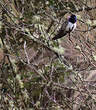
{"points": [[70, 26]]}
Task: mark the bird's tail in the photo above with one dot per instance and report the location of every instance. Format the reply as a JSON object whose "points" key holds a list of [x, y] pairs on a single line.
{"points": [[55, 38], [59, 36]]}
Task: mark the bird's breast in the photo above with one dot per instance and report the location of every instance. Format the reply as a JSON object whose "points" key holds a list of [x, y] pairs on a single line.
{"points": [[70, 26]]}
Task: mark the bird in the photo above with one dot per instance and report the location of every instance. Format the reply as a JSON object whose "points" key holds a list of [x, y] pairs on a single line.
{"points": [[68, 26]]}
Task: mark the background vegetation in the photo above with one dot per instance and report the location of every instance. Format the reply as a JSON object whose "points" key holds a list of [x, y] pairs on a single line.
{"points": [[37, 73]]}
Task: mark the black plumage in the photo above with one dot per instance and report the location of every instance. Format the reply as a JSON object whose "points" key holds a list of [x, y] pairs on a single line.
{"points": [[66, 27], [62, 32]]}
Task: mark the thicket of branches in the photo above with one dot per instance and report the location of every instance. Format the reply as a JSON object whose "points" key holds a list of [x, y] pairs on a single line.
{"points": [[37, 73]]}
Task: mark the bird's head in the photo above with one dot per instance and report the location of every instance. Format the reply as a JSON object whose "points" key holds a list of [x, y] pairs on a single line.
{"points": [[73, 18]]}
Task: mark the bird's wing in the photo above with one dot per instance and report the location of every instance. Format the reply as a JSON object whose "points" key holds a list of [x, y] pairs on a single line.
{"points": [[64, 25], [62, 31]]}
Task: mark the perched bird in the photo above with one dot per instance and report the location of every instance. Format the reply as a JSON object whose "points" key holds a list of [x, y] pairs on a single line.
{"points": [[67, 27]]}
